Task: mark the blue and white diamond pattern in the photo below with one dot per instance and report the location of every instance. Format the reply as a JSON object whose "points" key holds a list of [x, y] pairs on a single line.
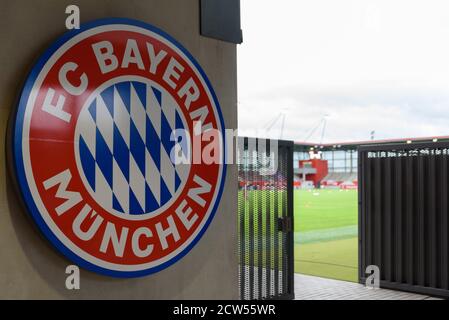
{"points": [[124, 147]]}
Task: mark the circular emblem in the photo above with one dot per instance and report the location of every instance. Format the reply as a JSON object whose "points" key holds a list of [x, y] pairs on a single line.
{"points": [[107, 148]]}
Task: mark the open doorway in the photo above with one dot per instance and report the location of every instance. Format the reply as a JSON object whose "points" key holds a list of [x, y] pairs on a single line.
{"points": [[326, 211]]}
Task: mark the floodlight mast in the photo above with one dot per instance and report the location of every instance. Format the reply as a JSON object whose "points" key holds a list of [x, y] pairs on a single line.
{"points": [[324, 127], [268, 126], [322, 123]]}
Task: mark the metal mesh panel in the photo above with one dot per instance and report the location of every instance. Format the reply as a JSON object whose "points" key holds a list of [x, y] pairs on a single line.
{"points": [[265, 209], [404, 215]]}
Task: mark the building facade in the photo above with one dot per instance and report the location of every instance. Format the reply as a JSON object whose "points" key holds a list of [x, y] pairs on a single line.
{"points": [[341, 159]]}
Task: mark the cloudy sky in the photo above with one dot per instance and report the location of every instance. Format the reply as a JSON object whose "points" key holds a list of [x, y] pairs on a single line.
{"points": [[365, 65]]}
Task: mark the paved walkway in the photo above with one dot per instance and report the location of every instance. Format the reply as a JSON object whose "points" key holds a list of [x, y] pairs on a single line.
{"points": [[315, 288]]}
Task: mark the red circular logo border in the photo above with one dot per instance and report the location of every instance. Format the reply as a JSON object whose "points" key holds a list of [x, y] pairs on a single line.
{"points": [[18, 156]]}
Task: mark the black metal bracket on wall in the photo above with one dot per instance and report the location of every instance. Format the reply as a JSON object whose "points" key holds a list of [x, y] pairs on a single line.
{"points": [[220, 19]]}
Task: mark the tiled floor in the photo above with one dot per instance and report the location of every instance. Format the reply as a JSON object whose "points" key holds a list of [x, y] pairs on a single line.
{"points": [[315, 288]]}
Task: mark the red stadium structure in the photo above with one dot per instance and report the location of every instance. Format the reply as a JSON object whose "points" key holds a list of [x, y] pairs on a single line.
{"points": [[334, 165], [314, 170], [327, 166]]}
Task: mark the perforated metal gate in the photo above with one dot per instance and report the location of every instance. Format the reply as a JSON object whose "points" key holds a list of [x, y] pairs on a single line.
{"points": [[265, 205], [403, 215]]}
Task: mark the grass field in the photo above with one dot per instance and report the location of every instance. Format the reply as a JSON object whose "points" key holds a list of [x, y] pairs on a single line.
{"points": [[325, 209], [336, 259], [326, 233], [325, 228]]}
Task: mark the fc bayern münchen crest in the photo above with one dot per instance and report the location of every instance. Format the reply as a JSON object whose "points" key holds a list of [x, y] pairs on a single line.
{"points": [[95, 152]]}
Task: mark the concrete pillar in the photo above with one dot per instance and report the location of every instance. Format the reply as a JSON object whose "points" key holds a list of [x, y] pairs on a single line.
{"points": [[30, 268]]}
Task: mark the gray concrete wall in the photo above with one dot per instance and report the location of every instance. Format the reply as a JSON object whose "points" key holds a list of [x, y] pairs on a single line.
{"points": [[29, 266]]}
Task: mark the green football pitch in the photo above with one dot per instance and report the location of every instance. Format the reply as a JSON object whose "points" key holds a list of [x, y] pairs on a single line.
{"points": [[326, 233], [325, 228]]}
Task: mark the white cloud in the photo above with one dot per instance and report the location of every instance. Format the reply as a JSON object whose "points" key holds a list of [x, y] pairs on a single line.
{"points": [[371, 65]]}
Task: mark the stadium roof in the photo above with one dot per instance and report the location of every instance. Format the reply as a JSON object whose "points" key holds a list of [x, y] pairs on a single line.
{"points": [[354, 144]]}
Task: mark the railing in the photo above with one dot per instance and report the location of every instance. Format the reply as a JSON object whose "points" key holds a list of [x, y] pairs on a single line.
{"points": [[265, 213], [403, 215]]}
